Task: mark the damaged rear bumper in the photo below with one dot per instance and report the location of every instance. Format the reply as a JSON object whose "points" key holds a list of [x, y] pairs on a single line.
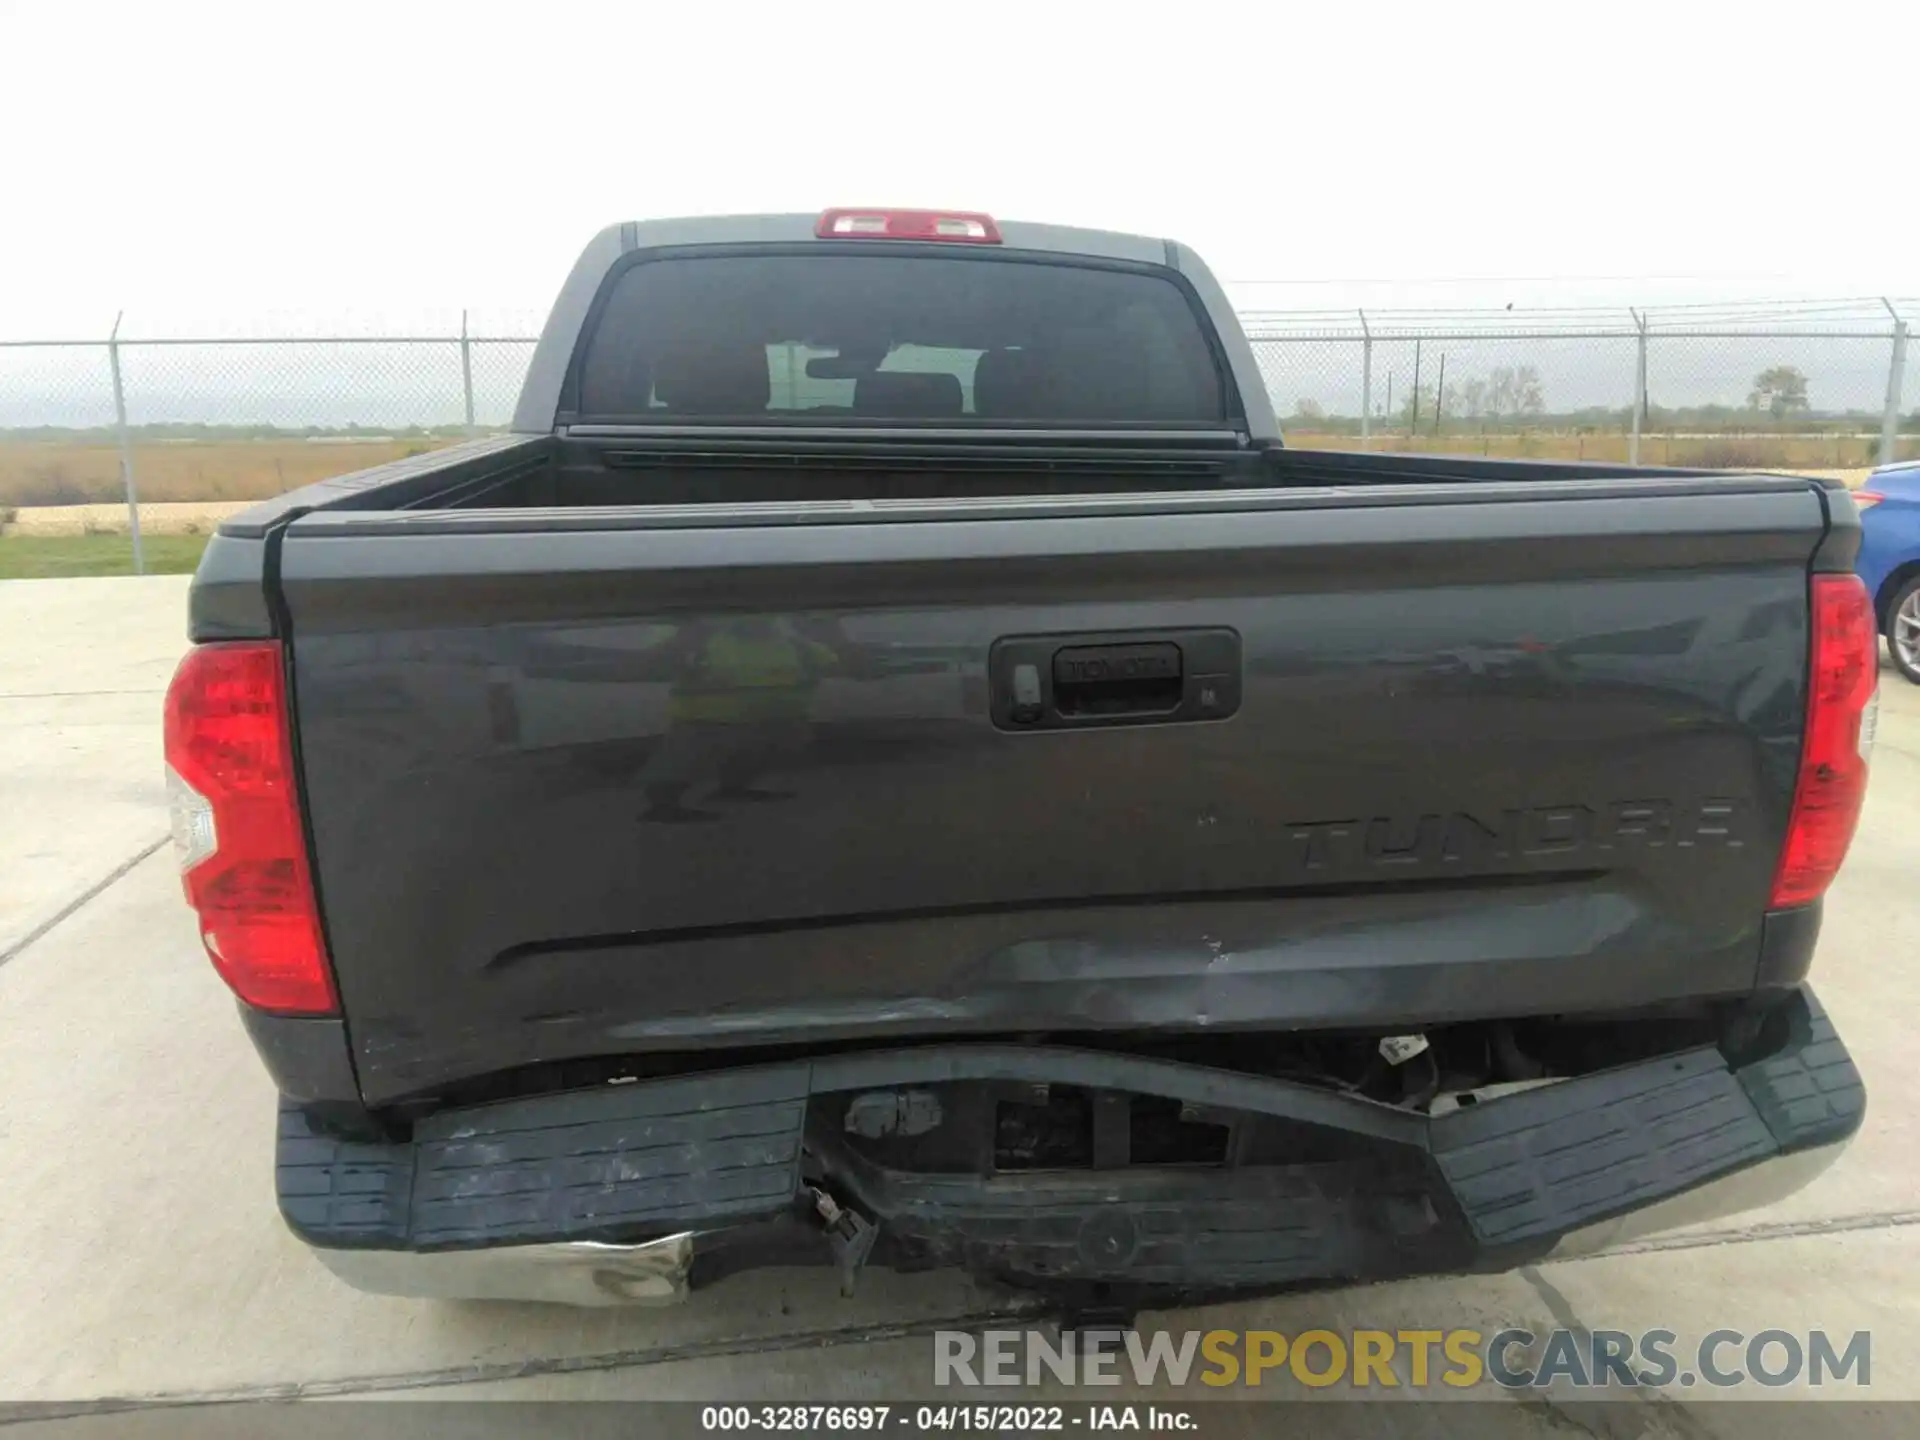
{"points": [[639, 1193]]}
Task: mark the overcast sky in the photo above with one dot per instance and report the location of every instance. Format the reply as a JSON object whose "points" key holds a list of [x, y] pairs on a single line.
{"points": [[203, 165]]}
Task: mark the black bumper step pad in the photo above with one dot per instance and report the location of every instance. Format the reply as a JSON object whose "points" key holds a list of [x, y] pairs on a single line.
{"points": [[1541, 1163], [581, 1165], [1810, 1093], [1480, 1186]]}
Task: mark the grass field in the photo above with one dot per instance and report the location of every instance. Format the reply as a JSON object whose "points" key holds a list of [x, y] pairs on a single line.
{"points": [[1710, 452], [46, 557], [54, 472]]}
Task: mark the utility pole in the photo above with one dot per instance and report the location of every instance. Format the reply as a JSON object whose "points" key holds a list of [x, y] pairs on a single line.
{"points": [[1639, 387], [1413, 422], [1366, 380], [1896, 373], [126, 446], [1440, 394], [466, 376]]}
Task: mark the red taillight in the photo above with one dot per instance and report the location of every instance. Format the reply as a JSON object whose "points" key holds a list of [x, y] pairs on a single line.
{"points": [[236, 826], [962, 227], [1842, 688], [1867, 499]]}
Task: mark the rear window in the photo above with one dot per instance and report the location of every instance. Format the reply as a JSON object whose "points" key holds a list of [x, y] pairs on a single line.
{"points": [[895, 337]]}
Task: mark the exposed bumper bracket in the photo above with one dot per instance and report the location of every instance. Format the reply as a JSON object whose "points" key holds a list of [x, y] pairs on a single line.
{"points": [[539, 1198]]}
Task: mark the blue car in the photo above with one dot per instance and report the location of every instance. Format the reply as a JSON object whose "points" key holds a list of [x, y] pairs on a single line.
{"points": [[1889, 560]]}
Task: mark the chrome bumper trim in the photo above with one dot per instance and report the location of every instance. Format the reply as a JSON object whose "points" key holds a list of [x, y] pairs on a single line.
{"points": [[573, 1273]]}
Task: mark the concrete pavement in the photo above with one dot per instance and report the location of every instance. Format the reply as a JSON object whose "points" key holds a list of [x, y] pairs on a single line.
{"points": [[83, 669], [142, 1256]]}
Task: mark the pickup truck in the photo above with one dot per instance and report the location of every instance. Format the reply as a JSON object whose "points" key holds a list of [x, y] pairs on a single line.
{"points": [[891, 761]]}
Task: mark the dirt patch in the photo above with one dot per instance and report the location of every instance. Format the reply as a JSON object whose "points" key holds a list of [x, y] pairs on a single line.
{"points": [[199, 518], [61, 473]]}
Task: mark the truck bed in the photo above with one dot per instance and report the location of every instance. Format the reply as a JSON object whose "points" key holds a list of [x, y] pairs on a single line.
{"points": [[655, 466], [1492, 741]]}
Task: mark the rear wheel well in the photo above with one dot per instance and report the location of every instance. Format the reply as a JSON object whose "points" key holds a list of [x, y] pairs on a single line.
{"points": [[1890, 587]]}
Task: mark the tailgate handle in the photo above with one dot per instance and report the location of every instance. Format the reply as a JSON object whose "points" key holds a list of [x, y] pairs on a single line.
{"points": [[1092, 681]]}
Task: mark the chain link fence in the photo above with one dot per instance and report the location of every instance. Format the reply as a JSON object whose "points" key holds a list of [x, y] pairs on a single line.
{"points": [[225, 420], [192, 428], [1816, 385]]}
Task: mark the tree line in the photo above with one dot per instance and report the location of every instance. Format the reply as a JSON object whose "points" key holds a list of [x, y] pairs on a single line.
{"points": [[1512, 397]]}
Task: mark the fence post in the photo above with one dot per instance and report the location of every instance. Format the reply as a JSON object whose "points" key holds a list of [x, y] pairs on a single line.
{"points": [[126, 445], [466, 373], [1639, 386], [1896, 378], [1366, 382], [1413, 407]]}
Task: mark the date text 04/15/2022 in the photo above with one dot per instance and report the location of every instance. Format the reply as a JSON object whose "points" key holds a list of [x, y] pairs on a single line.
{"points": [[978, 1419]]}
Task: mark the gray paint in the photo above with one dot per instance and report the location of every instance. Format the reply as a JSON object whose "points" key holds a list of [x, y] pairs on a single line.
{"points": [[307, 1056], [483, 697], [540, 399], [1255, 402], [228, 600], [398, 483], [547, 371], [482, 715]]}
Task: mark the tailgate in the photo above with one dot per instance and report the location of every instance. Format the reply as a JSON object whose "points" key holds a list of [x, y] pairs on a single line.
{"points": [[637, 781]]}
